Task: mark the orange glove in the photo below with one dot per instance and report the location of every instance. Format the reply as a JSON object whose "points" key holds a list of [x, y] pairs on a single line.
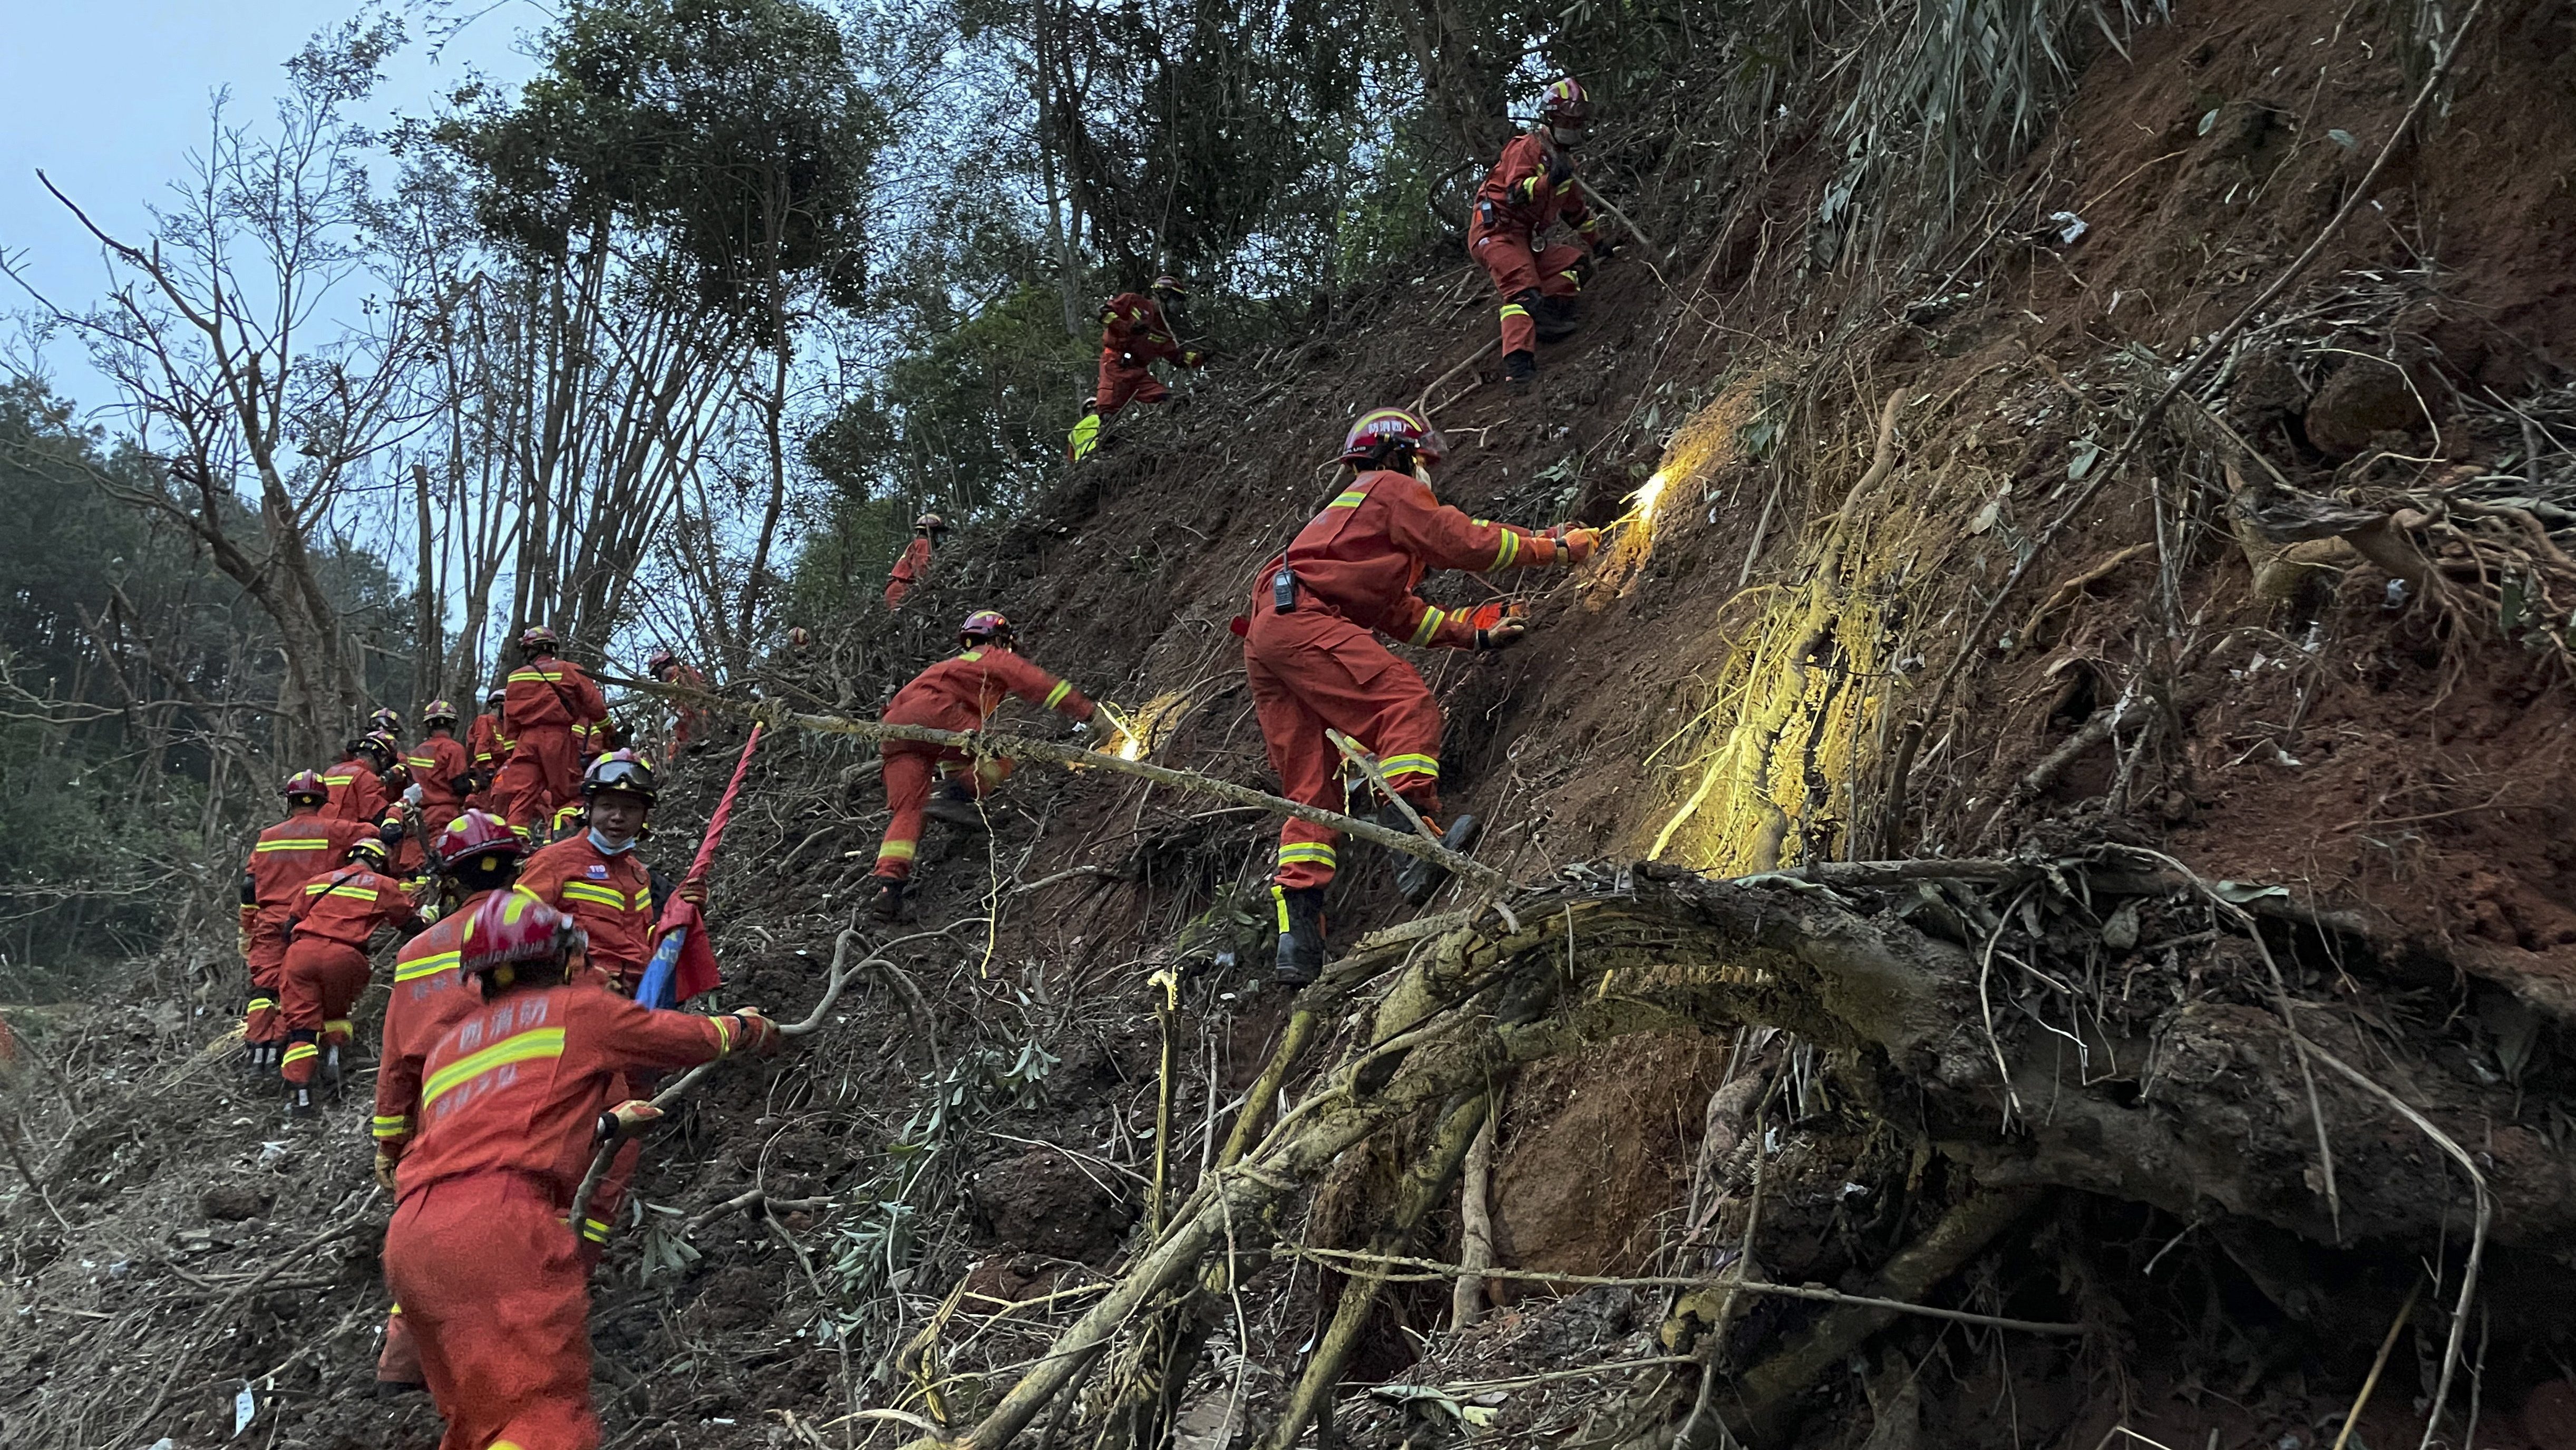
{"points": [[1499, 626], [1574, 544], [626, 1119], [756, 1033]]}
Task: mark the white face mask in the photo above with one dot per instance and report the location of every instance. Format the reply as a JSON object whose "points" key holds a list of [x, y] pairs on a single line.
{"points": [[1422, 470], [608, 847]]}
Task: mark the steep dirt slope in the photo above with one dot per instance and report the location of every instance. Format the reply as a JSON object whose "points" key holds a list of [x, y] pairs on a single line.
{"points": [[1747, 682]]}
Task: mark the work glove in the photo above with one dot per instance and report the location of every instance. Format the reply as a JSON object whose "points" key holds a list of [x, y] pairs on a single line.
{"points": [[412, 795], [756, 1033], [1560, 170], [1574, 543], [694, 892], [1498, 626], [244, 940], [385, 1169], [625, 1120]]}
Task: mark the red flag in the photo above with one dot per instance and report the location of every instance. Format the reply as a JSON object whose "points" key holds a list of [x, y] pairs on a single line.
{"points": [[696, 970]]}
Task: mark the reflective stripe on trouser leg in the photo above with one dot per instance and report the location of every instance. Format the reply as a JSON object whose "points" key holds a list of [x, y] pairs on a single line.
{"points": [[1520, 334], [303, 1058], [907, 785]]}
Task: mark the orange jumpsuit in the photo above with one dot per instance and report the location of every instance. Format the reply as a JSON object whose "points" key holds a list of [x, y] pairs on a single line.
{"points": [[326, 958], [1514, 208], [435, 765], [1357, 564], [488, 750], [955, 694], [284, 858], [492, 1285], [357, 792], [611, 896], [907, 572], [428, 998], [1134, 336], [686, 720], [551, 705]]}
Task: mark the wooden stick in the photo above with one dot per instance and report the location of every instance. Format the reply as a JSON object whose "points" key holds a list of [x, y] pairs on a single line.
{"points": [[2370, 1381], [1422, 404], [1476, 1221], [1020, 747]]}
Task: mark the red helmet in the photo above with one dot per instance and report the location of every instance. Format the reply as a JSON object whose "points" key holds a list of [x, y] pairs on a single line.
{"points": [[1566, 104], [537, 636], [373, 848], [927, 522], [661, 659], [1377, 435], [984, 626], [436, 711], [797, 638], [386, 721], [476, 833], [306, 785], [495, 695], [621, 770], [512, 927], [380, 741]]}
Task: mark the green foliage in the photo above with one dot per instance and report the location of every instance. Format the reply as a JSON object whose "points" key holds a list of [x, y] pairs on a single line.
{"points": [[738, 128]]}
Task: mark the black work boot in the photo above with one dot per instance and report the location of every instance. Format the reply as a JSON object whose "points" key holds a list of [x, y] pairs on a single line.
{"points": [[1301, 934], [1415, 878], [1555, 318], [957, 806], [1519, 368], [300, 1101], [888, 899]]}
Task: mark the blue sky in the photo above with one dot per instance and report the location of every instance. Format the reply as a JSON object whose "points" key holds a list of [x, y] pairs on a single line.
{"points": [[111, 96]]}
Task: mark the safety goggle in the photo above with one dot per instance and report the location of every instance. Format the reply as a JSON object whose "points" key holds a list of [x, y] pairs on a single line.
{"points": [[630, 775]]}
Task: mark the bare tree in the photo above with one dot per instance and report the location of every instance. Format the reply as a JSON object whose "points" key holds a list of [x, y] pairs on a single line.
{"points": [[254, 342]]}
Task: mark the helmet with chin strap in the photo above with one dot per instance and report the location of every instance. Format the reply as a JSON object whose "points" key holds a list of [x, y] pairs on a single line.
{"points": [[1566, 111], [621, 770], [509, 929], [306, 788], [984, 626], [1391, 438]]}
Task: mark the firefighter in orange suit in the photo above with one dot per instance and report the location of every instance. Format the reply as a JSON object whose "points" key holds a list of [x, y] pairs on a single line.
{"points": [[281, 861], [1314, 661], [955, 694], [1133, 333], [688, 721], [916, 559], [357, 782], [443, 769], [513, 1095], [488, 749], [1529, 189], [551, 706], [594, 875], [326, 963], [475, 856]]}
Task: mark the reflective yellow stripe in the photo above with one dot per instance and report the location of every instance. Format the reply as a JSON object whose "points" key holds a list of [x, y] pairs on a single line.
{"points": [[724, 1036], [1301, 851], [1514, 309], [338, 779], [1395, 765], [549, 677], [435, 962], [262, 1004], [528, 1046], [608, 896], [1432, 615], [341, 1025], [297, 844], [1574, 277], [594, 1230], [898, 850], [1508, 550], [1351, 500], [1279, 896], [1056, 696], [328, 888], [972, 654], [384, 1127], [301, 1051]]}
